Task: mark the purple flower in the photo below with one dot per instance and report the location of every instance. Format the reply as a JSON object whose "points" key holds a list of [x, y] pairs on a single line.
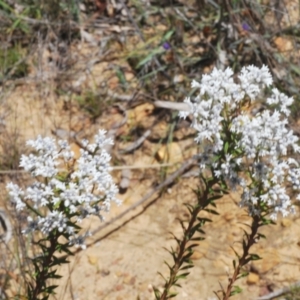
{"points": [[246, 27], [166, 46]]}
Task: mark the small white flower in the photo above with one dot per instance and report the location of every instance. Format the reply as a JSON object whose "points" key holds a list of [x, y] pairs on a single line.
{"points": [[16, 194]]}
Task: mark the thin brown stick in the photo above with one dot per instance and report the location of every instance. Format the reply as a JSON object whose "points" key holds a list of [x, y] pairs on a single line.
{"points": [[115, 168], [280, 292]]}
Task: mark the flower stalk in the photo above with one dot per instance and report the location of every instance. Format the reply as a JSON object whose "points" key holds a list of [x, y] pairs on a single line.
{"points": [[248, 242], [42, 270], [182, 255]]}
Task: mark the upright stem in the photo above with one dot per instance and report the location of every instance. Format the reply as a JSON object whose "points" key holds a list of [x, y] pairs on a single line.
{"points": [[244, 259], [188, 234], [42, 277], [181, 251]]}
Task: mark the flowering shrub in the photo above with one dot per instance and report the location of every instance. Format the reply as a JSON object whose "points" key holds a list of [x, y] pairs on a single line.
{"points": [[65, 191], [248, 153]]}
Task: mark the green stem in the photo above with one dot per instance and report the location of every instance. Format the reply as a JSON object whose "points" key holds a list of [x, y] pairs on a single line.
{"points": [[188, 234], [42, 277], [244, 259]]}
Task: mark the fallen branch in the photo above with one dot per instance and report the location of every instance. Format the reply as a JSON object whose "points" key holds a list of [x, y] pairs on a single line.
{"points": [[185, 166], [280, 292]]}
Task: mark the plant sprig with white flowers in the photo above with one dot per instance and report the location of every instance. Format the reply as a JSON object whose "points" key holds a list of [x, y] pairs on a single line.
{"points": [[64, 192], [243, 152]]}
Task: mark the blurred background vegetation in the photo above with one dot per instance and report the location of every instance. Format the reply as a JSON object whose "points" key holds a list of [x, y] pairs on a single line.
{"points": [[174, 41]]}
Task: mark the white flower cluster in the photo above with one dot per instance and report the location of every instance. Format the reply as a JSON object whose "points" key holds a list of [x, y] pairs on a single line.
{"points": [[255, 148], [62, 198]]}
